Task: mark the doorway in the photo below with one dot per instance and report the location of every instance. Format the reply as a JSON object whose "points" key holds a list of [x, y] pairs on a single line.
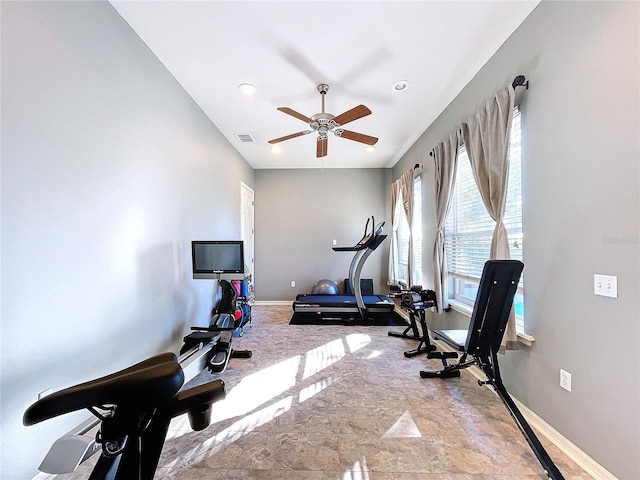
{"points": [[246, 226]]}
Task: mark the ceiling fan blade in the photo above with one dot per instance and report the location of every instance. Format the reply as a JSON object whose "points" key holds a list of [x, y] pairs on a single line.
{"points": [[288, 137], [351, 115], [358, 137], [321, 149], [293, 113]]}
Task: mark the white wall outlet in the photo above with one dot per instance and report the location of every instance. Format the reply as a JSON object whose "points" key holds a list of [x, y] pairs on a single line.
{"points": [[565, 380], [605, 285], [334, 242], [293, 283]]}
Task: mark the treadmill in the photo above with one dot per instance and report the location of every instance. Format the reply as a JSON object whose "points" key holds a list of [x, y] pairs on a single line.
{"points": [[357, 306]]}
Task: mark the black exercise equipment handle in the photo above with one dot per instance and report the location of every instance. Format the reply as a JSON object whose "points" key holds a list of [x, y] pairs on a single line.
{"points": [[139, 402], [143, 386], [213, 329]]}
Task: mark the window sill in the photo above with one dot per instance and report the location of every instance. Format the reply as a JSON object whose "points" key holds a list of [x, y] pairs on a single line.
{"points": [[465, 309]]}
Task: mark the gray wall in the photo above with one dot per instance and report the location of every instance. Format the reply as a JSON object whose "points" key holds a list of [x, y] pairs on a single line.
{"points": [[299, 213], [109, 170], [580, 122]]}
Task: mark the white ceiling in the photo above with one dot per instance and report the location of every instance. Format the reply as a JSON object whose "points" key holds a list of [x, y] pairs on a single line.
{"points": [[359, 48]]}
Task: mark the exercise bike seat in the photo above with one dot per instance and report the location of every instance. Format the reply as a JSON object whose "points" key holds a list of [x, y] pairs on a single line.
{"points": [[143, 386]]}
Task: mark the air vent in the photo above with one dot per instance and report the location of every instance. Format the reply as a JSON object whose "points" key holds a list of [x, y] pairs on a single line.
{"points": [[245, 138]]}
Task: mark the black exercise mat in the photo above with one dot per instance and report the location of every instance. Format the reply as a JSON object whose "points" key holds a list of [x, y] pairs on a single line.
{"points": [[390, 319]]}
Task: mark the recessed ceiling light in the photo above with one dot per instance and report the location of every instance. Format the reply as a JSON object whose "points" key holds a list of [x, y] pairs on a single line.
{"points": [[247, 89], [400, 85], [275, 149], [370, 149]]}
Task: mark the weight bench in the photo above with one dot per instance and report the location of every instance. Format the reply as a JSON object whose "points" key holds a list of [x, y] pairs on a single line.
{"points": [[480, 345]]}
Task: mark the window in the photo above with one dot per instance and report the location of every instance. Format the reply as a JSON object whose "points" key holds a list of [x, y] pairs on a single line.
{"points": [[416, 234], [469, 228]]}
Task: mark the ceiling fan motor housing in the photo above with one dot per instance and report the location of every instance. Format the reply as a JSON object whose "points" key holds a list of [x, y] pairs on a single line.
{"points": [[322, 124]]}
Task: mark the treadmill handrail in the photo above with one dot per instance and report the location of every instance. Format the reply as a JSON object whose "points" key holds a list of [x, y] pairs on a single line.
{"points": [[367, 240]]}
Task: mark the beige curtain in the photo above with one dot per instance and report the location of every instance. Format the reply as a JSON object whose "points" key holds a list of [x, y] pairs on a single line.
{"points": [[395, 222], [400, 189], [486, 138], [406, 186], [445, 157]]}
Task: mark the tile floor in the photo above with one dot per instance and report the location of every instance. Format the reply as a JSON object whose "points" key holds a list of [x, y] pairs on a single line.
{"points": [[343, 403]]}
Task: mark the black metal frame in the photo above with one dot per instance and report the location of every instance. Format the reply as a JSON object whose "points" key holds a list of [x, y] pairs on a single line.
{"points": [[498, 286], [416, 305], [135, 407]]}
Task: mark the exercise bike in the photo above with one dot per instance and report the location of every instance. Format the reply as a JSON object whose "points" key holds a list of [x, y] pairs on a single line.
{"points": [[134, 407]]}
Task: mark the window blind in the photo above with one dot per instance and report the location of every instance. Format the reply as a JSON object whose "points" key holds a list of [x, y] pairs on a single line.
{"points": [[469, 227]]}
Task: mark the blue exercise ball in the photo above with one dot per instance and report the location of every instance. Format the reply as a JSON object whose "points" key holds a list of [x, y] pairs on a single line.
{"points": [[325, 287]]}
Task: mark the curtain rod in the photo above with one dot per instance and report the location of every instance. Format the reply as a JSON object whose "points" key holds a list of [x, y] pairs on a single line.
{"points": [[519, 81]]}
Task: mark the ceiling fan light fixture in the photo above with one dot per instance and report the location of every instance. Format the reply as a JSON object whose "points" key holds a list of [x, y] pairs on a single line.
{"points": [[401, 85], [247, 89]]}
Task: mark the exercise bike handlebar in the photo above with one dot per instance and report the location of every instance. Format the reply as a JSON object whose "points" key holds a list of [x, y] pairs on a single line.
{"points": [[134, 407], [144, 386]]}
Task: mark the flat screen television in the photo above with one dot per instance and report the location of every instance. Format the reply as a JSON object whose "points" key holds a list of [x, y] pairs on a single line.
{"points": [[213, 259]]}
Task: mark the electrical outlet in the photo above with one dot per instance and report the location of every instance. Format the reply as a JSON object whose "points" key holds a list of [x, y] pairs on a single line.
{"points": [[565, 380], [334, 242], [605, 285], [293, 283]]}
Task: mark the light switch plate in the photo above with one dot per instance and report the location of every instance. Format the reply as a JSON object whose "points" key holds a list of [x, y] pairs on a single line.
{"points": [[605, 285]]}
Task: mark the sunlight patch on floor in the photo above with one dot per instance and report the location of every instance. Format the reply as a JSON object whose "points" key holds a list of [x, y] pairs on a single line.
{"points": [[307, 392], [178, 427], [404, 427], [359, 471], [247, 424], [356, 341], [322, 357], [257, 389], [238, 429], [262, 387]]}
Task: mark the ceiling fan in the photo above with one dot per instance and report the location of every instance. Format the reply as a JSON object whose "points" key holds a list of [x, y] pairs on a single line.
{"points": [[323, 123]]}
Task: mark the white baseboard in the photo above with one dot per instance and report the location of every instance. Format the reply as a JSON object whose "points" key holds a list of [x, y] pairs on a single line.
{"points": [[273, 302], [587, 463], [592, 467], [43, 476]]}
